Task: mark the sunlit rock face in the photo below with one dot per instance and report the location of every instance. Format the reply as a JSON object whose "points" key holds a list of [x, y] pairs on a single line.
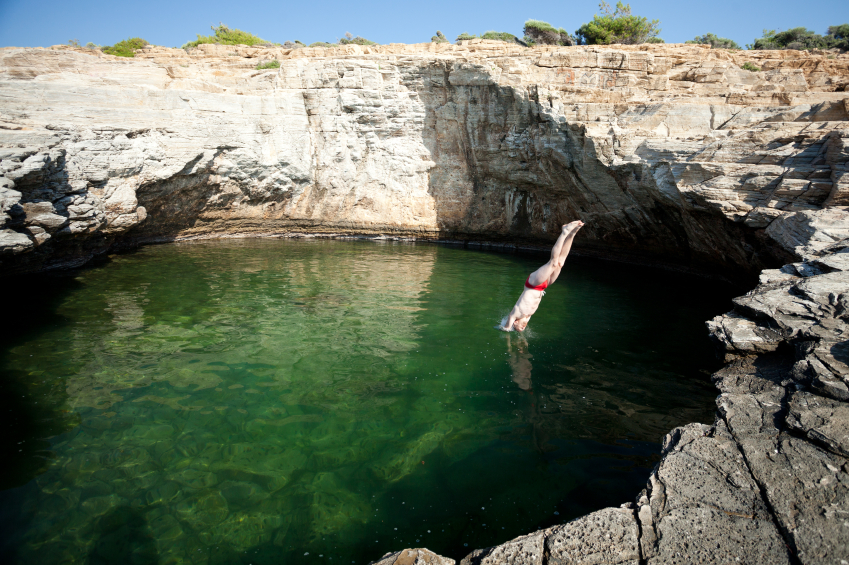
{"points": [[667, 152]]}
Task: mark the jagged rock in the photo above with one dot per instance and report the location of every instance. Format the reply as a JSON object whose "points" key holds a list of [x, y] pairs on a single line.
{"points": [[413, 557], [822, 420], [738, 336], [12, 242], [607, 536], [808, 232], [806, 487], [838, 261]]}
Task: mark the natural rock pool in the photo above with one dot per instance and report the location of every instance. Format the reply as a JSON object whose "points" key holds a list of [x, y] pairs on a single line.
{"points": [[255, 401]]}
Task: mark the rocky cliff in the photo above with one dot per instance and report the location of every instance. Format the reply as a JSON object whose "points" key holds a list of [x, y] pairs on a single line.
{"points": [[669, 153]]}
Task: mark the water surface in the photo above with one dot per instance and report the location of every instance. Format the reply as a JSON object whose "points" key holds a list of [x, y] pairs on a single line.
{"points": [[258, 401]]}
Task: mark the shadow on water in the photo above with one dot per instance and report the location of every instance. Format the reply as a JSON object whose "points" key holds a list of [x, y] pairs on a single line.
{"points": [[123, 536], [31, 403]]}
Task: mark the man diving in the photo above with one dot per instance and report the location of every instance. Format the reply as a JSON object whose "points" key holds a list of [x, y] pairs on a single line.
{"points": [[540, 279]]}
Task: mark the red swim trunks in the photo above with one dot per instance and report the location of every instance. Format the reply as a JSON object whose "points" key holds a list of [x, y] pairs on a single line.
{"points": [[543, 286]]}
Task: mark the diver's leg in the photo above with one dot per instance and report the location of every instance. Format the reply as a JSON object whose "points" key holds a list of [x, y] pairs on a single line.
{"points": [[571, 230], [551, 270]]}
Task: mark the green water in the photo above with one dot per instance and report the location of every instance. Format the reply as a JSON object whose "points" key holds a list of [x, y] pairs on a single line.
{"points": [[259, 401]]}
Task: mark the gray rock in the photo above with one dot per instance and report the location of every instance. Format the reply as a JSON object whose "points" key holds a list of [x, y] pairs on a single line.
{"points": [[608, 536], [808, 232], [808, 491], [738, 335], [705, 506], [822, 420], [707, 535], [524, 550], [838, 261], [413, 557], [12, 242], [43, 214]]}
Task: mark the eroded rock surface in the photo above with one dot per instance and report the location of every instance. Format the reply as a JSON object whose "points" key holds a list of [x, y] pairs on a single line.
{"points": [[670, 153]]}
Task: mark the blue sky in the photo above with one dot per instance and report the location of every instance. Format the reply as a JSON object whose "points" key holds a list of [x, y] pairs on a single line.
{"points": [[26, 23]]}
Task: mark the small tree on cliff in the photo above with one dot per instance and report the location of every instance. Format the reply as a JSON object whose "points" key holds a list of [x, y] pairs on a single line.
{"points": [[543, 33], [126, 48], [617, 26], [715, 42], [802, 39], [226, 36]]}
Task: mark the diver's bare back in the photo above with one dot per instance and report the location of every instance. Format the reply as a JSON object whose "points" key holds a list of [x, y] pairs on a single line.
{"points": [[540, 279]]}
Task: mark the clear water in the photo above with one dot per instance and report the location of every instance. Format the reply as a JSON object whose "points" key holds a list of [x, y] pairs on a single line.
{"points": [[258, 401]]}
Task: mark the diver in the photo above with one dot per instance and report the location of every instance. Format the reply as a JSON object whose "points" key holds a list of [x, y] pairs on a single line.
{"points": [[541, 279]]}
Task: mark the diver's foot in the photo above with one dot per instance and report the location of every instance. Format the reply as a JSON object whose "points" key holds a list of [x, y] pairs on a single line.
{"points": [[572, 227]]}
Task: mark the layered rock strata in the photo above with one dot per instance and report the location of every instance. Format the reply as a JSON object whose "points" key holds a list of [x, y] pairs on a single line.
{"points": [[669, 153]]}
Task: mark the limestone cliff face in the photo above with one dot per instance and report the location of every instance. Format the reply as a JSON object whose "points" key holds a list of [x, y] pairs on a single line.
{"points": [[669, 152]]}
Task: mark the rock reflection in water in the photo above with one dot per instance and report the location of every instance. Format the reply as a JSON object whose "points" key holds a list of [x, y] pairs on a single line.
{"points": [[264, 399], [171, 365]]}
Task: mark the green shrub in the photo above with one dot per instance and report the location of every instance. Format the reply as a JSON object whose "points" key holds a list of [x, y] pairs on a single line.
{"points": [[349, 39], [499, 36], [126, 48], [321, 44], [618, 26], [715, 42], [655, 40], [750, 67], [465, 36], [74, 42], [273, 64], [839, 36], [803, 39], [226, 36], [539, 32], [438, 38]]}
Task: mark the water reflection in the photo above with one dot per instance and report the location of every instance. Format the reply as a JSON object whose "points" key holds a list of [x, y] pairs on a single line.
{"points": [[520, 361]]}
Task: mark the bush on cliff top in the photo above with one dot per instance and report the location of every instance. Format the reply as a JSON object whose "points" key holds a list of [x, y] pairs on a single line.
{"points": [[126, 48], [801, 38], [617, 26], [499, 36], [539, 32], [226, 36], [495, 35], [714, 41], [349, 39]]}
